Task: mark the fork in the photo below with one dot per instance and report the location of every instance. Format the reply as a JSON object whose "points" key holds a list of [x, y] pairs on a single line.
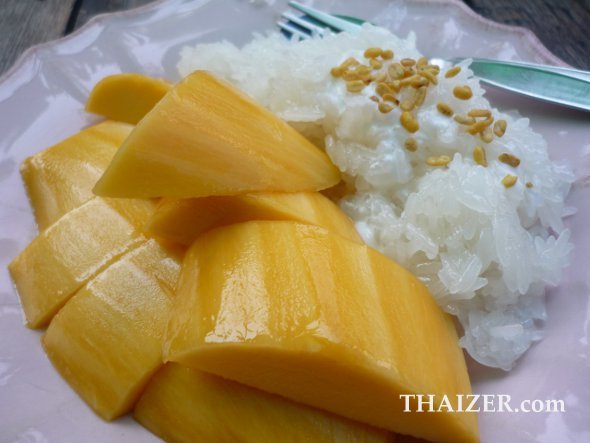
{"points": [[555, 84]]}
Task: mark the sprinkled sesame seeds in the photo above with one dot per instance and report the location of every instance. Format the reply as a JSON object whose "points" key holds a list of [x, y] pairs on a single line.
{"points": [[479, 156], [409, 123], [509, 159], [441, 160], [452, 72], [500, 128], [444, 109], [411, 144], [509, 180], [462, 92]]}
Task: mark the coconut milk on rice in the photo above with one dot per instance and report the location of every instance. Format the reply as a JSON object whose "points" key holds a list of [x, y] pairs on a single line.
{"points": [[486, 251]]}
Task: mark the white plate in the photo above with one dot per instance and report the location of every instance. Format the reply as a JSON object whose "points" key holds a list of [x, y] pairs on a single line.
{"points": [[41, 102]]}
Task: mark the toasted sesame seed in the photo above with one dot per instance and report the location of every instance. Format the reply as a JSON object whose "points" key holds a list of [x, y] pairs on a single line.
{"points": [[422, 61], [407, 105], [383, 88], [487, 136], [509, 159], [363, 69], [381, 77], [464, 120], [462, 92], [395, 85], [351, 75], [375, 64], [407, 62], [387, 54], [420, 96], [529, 184], [337, 71], [355, 86], [444, 109], [479, 113], [418, 82], [373, 52], [411, 144], [390, 98], [441, 160], [500, 128], [395, 71], [429, 75], [350, 61], [509, 180], [374, 98], [453, 72], [409, 123], [479, 156], [384, 108], [480, 125]]}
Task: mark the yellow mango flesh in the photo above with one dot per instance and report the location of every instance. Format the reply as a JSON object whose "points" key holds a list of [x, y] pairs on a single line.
{"points": [[126, 97], [207, 138], [183, 220], [74, 249], [298, 311], [184, 405], [107, 340], [61, 178]]}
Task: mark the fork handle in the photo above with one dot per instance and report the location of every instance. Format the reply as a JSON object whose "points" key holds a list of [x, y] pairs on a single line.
{"points": [[568, 87]]}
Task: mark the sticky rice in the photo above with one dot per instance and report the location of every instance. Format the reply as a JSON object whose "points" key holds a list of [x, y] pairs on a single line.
{"points": [[486, 251]]}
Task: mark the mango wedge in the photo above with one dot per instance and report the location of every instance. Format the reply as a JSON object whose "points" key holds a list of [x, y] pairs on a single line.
{"points": [[107, 341], [73, 250], [182, 221], [126, 97], [61, 178], [184, 405], [298, 311], [207, 138]]}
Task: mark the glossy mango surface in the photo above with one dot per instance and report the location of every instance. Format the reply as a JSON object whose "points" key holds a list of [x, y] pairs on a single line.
{"points": [[126, 97], [61, 178], [298, 311], [107, 340], [184, 405], [183, 220], [205, 138], [74, 249]]}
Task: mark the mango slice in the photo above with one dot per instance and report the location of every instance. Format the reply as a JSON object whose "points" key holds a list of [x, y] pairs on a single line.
{"points": [[61, 178], [184, 405], [126, 97], [106, 341], [182, 221], [298, 311], [74, 249], [207, 138]]}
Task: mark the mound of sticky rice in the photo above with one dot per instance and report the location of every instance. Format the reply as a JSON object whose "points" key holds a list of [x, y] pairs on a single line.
{"points": [[485, 246]]}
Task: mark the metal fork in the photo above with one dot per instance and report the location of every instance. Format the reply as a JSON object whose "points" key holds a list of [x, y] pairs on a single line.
{"points": [[555, 84]]}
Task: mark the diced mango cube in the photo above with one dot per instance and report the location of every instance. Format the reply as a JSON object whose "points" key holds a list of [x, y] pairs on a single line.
{"points": [[184, 405], [298, 311], [207, 138], [126, 97], [107, 340], [183, 220], [61, 178]]}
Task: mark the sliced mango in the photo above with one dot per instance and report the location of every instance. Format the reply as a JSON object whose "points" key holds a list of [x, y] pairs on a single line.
{"points": [[73, 250], [207, 138], [182, 221], [298, 311], [184, 405], [61, 178], [126, 97], [106, 341]]}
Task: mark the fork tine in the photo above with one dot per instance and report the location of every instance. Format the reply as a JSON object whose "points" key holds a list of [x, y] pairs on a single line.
{"points": [[293, 31], [330, 20], [312, 28]]}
